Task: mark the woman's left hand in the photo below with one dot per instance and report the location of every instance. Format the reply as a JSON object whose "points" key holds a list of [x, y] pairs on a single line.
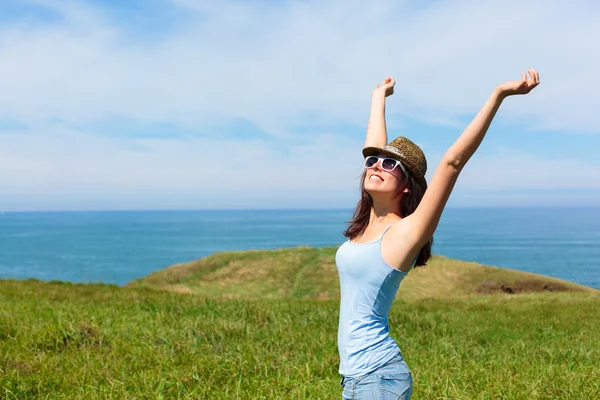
{"points": [[524, 86]]}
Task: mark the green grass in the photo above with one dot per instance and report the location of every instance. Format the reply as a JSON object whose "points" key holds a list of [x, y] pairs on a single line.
{"points": [[306, 273], [66, 341]]}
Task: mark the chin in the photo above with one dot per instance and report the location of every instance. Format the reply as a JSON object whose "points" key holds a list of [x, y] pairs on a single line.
{"points": [[376, 189]]}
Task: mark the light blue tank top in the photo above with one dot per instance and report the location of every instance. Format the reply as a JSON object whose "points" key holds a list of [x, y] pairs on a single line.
{"points": [[368, 287]]}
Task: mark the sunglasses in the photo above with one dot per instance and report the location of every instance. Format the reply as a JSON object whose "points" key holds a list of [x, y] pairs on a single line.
{"points": [[387, 164]]}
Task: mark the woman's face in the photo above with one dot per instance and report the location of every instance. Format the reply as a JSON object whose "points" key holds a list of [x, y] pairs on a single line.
{"points": [[380, 181]]}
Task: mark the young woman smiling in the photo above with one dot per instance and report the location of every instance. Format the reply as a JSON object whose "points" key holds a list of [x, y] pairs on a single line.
{"points": [[392, 231]]}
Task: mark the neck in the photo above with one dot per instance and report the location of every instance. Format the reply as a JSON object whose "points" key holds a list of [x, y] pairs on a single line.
{"points": [[384, 211]]}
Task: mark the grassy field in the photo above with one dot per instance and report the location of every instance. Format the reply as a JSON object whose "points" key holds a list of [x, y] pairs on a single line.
{"points": [[244, 336]]}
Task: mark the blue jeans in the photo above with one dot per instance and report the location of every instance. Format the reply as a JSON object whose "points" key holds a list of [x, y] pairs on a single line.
{"points": [[391, 381]]}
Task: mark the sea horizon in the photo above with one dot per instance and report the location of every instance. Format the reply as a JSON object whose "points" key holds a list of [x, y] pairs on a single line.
{"points": [[449, 207], [117, 246]]}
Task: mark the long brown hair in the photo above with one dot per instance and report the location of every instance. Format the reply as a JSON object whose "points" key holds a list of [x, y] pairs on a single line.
{"points": [[408, 204]]}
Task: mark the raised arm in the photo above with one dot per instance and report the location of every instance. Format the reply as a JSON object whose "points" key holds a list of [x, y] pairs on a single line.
{"points": [[376, 130], [425, 219]]}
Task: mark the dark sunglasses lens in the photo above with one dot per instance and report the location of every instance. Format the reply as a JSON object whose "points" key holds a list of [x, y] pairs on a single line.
{"points": [[370, 161], [388, 164]]}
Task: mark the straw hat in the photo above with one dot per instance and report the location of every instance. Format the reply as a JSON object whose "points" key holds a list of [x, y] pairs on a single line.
{"points": [[408, 153]]}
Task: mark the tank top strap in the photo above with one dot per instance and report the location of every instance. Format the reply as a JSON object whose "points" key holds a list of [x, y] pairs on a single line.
{"points": [[386, 229]]}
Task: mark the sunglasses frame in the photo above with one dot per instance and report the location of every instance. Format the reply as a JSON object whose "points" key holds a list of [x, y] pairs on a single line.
{"points": [[382, 159]]}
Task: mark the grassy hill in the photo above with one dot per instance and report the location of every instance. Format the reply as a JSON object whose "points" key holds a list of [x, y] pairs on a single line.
{"points": [[153, 340], [310, 273]]}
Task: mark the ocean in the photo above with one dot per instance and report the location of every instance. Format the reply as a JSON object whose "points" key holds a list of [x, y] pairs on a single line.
{"points": [[118, 246]]}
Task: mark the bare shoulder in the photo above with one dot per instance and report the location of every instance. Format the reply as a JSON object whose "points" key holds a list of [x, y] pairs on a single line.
{"points": [[398, 245]]}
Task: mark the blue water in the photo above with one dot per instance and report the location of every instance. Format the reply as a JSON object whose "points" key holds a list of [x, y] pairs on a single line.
{"points": [[116, 247]]}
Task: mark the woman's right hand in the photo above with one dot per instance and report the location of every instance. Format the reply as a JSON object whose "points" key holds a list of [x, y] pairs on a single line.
{"points": [[386, 87]]}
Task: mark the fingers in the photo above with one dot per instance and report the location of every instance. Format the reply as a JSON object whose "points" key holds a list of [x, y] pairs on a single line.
{"points": [[534, 79], [388, 82]]}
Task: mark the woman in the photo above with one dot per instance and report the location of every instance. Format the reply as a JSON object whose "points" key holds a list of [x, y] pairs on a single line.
{"points": [[391, 232]]}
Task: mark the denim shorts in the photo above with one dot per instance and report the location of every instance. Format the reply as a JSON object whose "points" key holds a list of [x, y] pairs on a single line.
{"points": [[393, 380]]}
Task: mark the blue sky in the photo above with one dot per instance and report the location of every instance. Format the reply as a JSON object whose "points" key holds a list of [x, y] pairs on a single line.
{"points": [[178, 104]]}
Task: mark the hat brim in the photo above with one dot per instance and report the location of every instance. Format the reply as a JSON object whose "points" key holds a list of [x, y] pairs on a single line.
{"points": [[375, 151]]}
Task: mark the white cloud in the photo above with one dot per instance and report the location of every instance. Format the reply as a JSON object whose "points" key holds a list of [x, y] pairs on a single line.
{"points": [[274, 64], [63, 167], [271, 63], [41, 171], [511, 177], [511, 169]]}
